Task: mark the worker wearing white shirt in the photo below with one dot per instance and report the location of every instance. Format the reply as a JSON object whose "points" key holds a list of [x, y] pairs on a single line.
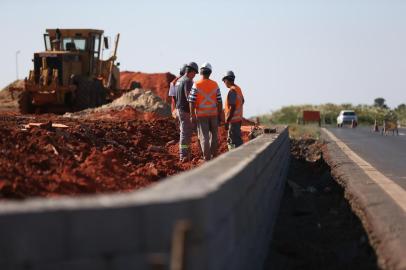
{"points": [[172, 89]]}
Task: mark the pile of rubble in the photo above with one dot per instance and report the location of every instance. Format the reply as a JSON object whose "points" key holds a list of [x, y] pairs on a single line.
{"points": [[137, 104]]}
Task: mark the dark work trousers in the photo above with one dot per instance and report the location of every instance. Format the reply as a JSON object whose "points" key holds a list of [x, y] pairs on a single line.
{"points": [[207, 129], [234, 135]]}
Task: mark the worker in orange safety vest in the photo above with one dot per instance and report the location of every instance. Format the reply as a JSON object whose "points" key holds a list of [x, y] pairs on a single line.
{"points": [[233, 111], [205, 109]]}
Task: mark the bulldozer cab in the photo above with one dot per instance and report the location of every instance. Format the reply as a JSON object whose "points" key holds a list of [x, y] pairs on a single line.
{"points": [[83, 42]]}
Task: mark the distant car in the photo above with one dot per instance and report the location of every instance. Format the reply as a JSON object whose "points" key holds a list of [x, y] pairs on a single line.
{"points": [[347, 117]]}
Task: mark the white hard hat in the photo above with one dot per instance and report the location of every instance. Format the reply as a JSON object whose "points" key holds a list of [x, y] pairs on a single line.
{"points": [[206, 66]]}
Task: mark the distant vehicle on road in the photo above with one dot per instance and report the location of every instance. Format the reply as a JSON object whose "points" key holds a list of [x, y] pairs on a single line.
{"points": [[347, 117]]}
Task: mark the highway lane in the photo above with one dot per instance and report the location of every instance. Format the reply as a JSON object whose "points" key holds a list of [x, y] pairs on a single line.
{"points": [[372, 168], [386, 153]]}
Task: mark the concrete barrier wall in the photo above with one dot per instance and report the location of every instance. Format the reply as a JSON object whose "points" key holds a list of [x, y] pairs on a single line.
{"points": [[230, 204]]}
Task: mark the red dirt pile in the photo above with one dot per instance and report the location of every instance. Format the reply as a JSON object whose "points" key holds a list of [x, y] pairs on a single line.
{"points": [[156, 82], [134, 105], [88, 157], [9, 96]]}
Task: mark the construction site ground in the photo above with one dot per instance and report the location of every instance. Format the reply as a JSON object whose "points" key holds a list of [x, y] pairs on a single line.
{"points": [[119, 147], [117, 154]]}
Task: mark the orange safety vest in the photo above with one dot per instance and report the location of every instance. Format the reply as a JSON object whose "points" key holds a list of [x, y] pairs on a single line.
{"points": [[237, 117], [206, 98]]}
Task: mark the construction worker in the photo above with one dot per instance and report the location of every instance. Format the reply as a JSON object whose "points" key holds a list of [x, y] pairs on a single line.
{"points": [[172, 90], [183, 88], [205, 109], [233, 111]]}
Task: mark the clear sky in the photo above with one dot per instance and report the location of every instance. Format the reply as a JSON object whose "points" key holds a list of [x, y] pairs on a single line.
{"points": [[283, 52]]}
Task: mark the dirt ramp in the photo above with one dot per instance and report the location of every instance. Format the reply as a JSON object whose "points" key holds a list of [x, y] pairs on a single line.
{"points": [[157, 82], [138, 104], [9, 98], [142, 100]]}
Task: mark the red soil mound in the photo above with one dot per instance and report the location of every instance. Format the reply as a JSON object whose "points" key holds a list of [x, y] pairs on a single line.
{"points": [[156, 82]]}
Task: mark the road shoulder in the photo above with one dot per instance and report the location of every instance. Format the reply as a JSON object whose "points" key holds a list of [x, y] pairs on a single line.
{"points": [[383, 218]]}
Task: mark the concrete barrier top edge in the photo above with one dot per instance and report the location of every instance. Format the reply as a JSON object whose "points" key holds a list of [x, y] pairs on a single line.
{"points": [[165, 191]]}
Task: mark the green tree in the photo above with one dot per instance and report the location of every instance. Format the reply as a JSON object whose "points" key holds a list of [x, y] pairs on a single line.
{"points": [[380, 103], [401, 107], [401, 113]]}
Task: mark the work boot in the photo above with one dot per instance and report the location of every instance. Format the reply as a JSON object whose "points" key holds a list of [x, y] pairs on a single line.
{"points": [[231, 146], [200, 161], [184, 159]]}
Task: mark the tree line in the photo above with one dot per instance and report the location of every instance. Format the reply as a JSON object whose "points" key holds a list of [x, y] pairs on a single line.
{"points": [[367, 114]]}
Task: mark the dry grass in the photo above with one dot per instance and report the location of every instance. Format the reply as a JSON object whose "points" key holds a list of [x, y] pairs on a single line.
{"points": [[304, 131]]}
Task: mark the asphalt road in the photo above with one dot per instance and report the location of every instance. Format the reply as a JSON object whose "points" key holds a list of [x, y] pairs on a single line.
{"points": [[386, 153]]}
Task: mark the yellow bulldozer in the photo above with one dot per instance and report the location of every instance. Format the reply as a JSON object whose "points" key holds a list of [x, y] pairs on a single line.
{"points": [[70, 74]]}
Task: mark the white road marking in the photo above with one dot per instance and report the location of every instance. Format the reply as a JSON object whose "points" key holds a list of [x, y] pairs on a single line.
{"points": [[402, 134], [396, 192]]}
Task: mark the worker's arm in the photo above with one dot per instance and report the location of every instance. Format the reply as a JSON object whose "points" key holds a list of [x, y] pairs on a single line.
{"points": [[232, 100], [173, 104], [192, 111], [172, 98], [219, 105], [173, 107], [220, 111], [192, 99], [230, 116]]}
